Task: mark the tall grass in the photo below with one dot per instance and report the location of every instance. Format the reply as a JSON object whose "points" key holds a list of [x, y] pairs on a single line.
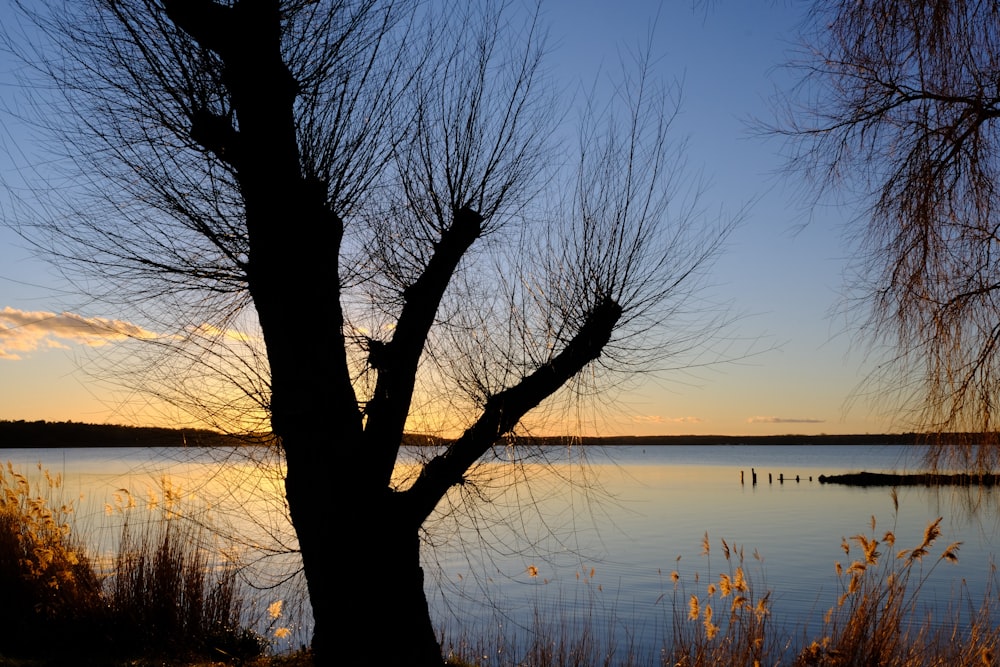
{"points": [[160, 595], [877, 619], [50, 588], [724, 621], [552, 643]]}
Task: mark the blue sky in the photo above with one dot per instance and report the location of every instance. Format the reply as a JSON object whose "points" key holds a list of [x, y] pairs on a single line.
{"points": [[782, 269]]}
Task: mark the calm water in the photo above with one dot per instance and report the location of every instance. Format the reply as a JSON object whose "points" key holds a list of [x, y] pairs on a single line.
{"points": [[604, 557], [601, 531]]}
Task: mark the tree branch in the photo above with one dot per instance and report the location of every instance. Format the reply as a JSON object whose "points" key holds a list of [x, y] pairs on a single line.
{"points": [[398, 359], [504, 409]]}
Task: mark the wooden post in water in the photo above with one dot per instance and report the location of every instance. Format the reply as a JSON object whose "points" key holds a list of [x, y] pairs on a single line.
{"points": [[753, 476], [781, 478], [741, 477], [769, 480]]}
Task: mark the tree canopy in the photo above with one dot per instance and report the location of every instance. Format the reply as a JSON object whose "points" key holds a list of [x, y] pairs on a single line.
{"points": [[897, 110]]}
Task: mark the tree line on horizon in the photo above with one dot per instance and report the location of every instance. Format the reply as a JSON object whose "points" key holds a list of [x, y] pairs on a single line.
{"points": [[41, 433]]}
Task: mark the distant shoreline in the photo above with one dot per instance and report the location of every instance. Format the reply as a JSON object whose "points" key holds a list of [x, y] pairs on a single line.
{"points": [[788, 439], [21, 434]]}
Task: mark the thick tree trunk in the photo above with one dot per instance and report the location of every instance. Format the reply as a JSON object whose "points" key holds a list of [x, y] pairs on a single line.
{"points": [[311, 517], [395, 599], [361, 559], [359, 540]]}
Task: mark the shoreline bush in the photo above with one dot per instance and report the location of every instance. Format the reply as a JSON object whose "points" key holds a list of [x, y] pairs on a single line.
{"points": [[161, 595]]}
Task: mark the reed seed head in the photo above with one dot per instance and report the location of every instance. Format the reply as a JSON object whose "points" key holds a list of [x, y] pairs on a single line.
{"points": [[694, 610], [932, 532], [725, 584], [740, 581]]}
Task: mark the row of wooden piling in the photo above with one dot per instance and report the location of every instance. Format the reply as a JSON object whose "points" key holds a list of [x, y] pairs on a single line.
{"points": [[770, 478]]}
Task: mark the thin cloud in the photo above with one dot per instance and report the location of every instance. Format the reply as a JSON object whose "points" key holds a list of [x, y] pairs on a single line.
{"points": [[211, 331], [783, 420], [26, 331], [659, 419]]}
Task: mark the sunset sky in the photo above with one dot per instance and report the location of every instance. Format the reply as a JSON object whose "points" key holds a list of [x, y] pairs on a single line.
{"points": [[782, 269]]}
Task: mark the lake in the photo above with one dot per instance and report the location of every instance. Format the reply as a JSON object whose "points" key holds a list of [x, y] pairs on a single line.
{"points": [[593, 535]]}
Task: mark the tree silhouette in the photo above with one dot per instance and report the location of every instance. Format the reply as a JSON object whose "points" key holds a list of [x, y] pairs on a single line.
{"points": [[387, 178], [899, 104]]}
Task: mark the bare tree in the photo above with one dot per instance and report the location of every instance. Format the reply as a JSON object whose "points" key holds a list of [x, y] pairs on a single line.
{"points": [[899, 103], [385, 172]]}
